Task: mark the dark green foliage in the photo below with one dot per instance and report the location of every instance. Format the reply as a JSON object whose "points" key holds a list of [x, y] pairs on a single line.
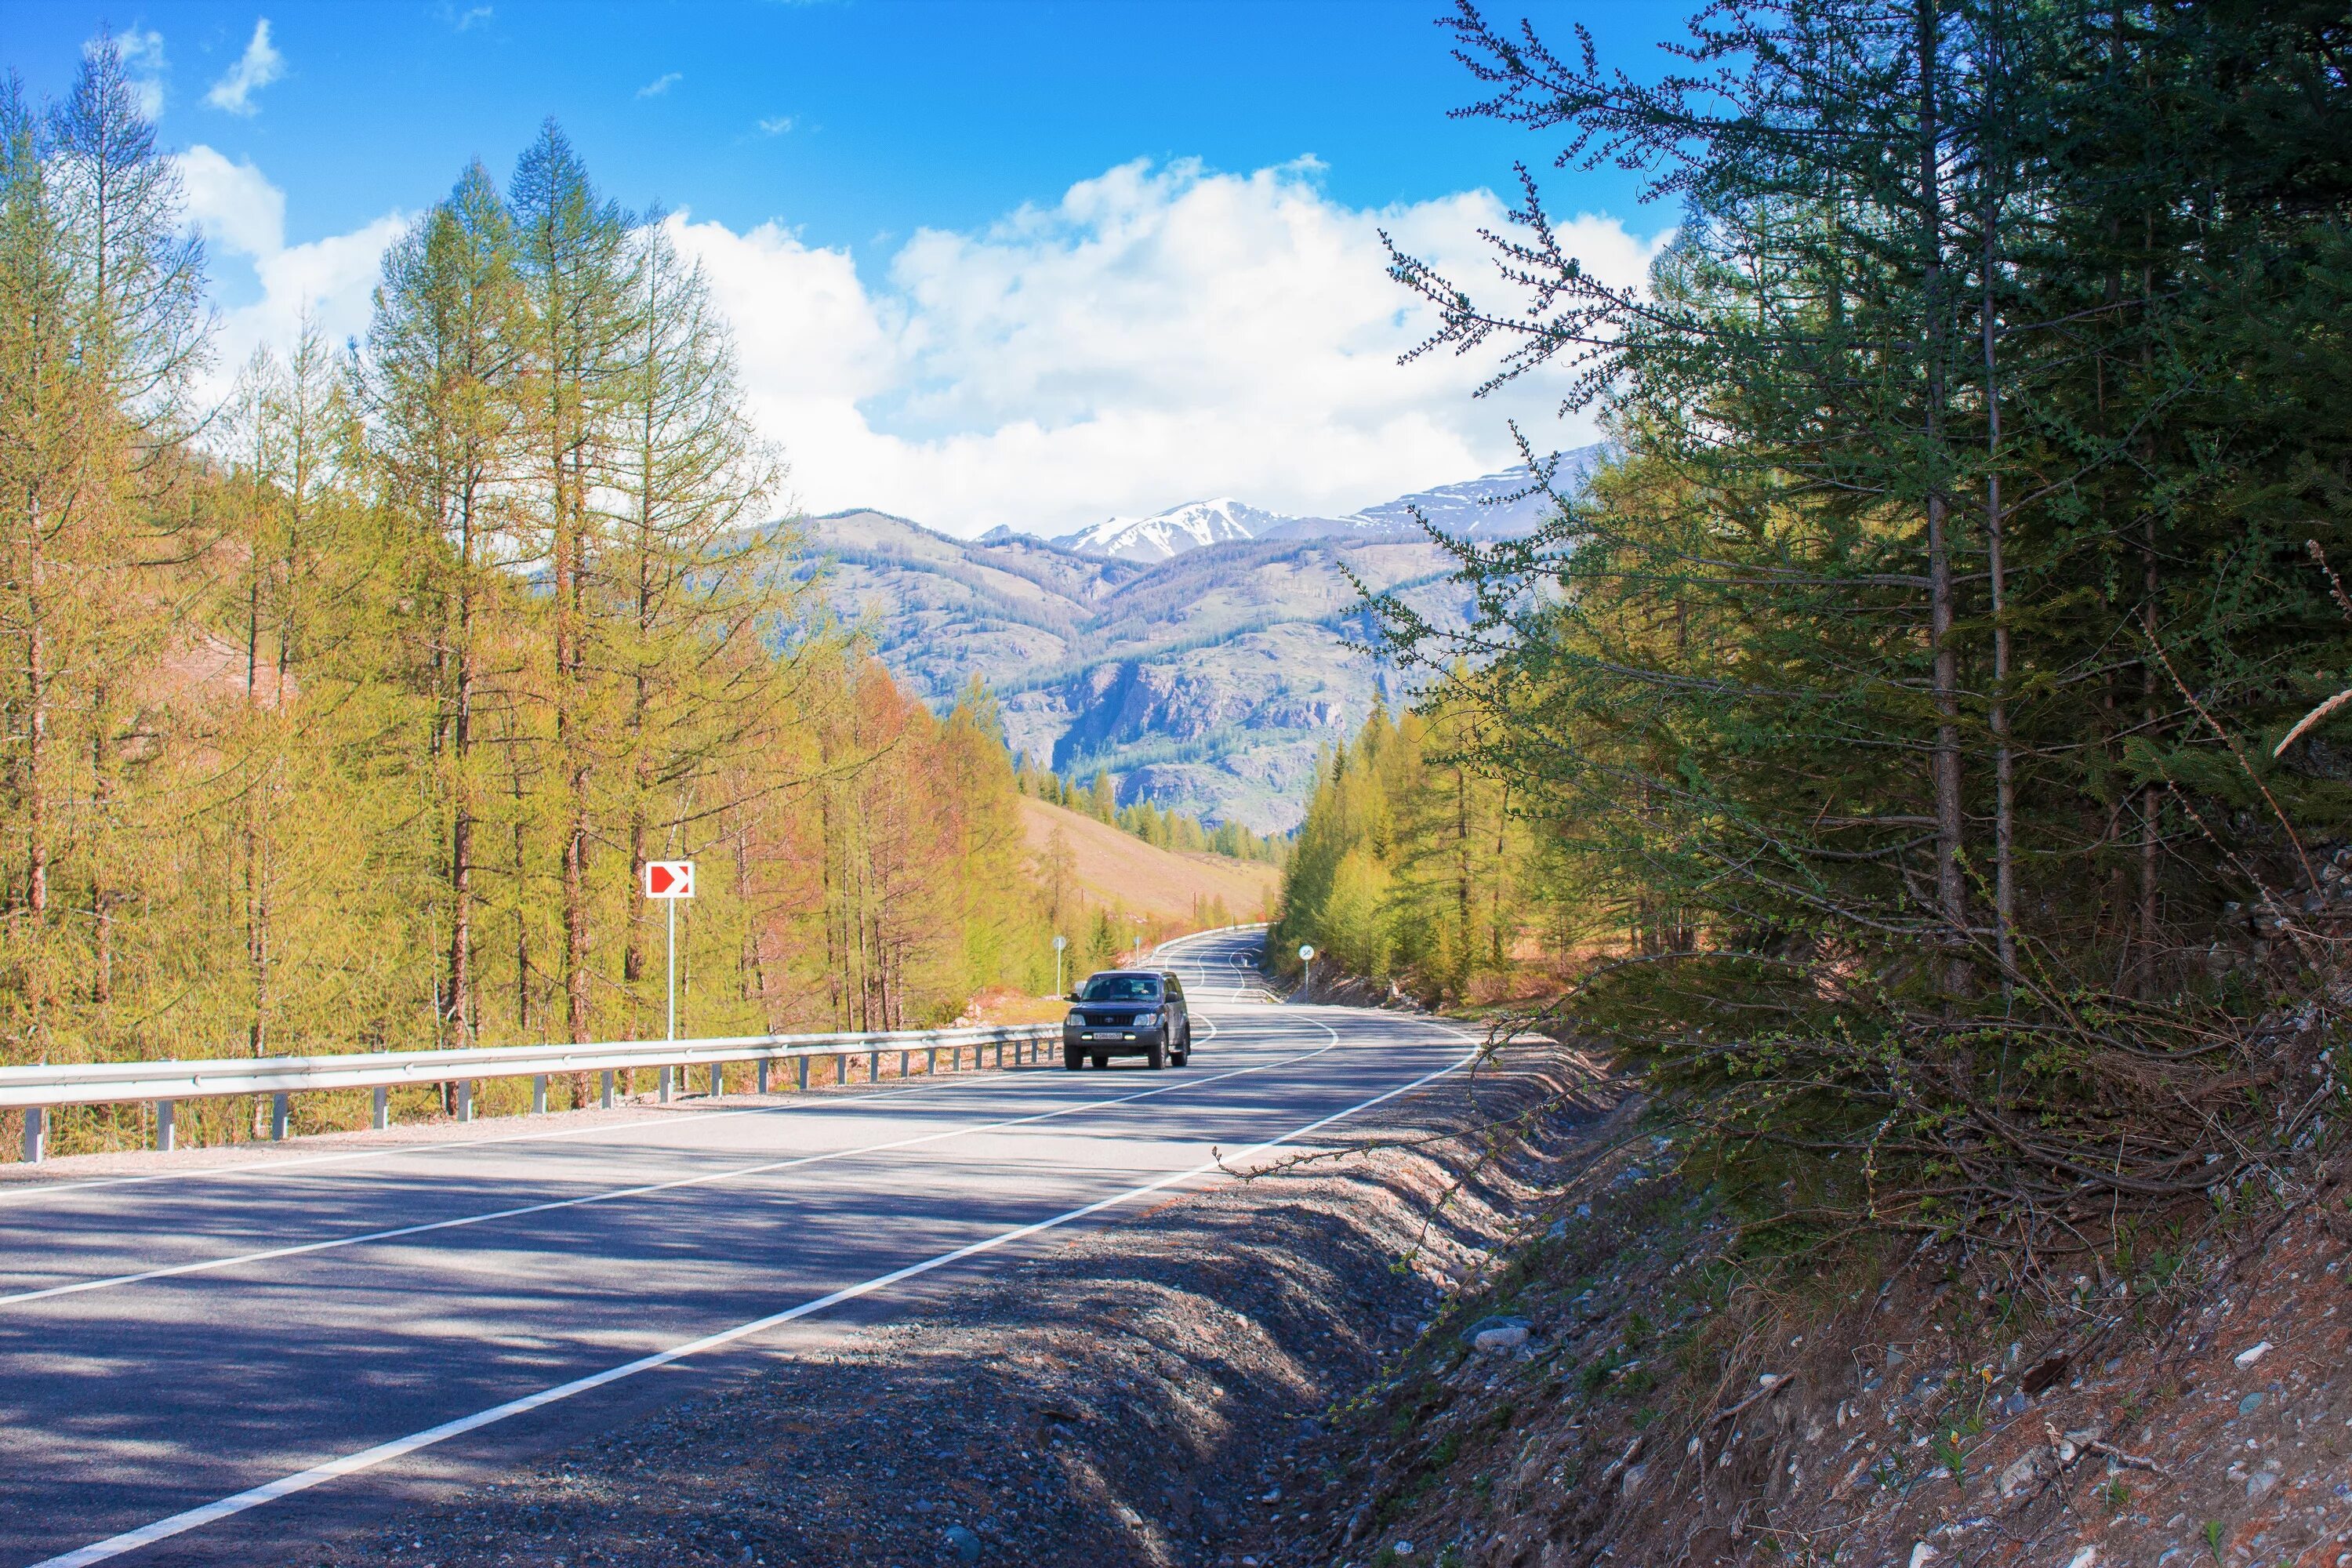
{"points": [[1902, 700]]}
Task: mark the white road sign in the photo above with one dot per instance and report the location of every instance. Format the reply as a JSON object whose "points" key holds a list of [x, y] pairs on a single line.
{"points": [[669, 879]]}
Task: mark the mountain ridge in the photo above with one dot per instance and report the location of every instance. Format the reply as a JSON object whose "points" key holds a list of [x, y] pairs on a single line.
{"points": [[1204, 667], [1499, 505]]}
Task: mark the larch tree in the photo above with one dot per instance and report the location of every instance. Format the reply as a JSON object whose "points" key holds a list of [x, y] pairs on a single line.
{"points": [[574, 264], [441, 384], [693, 584], [105, 331]]}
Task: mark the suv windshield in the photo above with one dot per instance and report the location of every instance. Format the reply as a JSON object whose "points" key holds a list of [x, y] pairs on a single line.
{"points": [[1122, 988]]}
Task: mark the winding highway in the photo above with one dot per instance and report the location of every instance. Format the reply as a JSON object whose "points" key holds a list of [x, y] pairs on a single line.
{"points": [[219, 1364]]}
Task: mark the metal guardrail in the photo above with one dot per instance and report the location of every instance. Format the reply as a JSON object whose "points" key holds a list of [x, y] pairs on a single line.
{"points": [[38, 1090]]}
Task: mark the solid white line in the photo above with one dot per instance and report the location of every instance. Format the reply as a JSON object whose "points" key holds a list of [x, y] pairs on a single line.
{"points": [[298, 1249], [383, 1453]]}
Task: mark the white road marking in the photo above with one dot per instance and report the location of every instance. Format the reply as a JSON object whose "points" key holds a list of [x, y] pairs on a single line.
{"points": [[383, 1453], [298, 1249]]}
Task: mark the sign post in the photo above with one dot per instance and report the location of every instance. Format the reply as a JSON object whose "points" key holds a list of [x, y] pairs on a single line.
{"points": [[1306, 957], [670, 880], [1059, 943]]}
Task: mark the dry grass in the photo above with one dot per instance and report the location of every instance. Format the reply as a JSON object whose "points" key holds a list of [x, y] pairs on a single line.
{"points": [[1002, 1004], [1116, 867]]}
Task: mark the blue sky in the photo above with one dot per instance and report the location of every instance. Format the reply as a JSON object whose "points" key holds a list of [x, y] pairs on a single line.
{"points": [[989, 262]]}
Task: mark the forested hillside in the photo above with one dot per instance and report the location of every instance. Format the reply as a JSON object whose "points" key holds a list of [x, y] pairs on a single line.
{"points": [[1900, 751], [345, 716]]}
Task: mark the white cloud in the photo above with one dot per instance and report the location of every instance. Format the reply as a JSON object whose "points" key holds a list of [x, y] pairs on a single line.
{"points": [[241, 214], [256, 68], [233, 205], [661, 84], [1162, 333], [775, 125], [142, 53], [472, 18]]}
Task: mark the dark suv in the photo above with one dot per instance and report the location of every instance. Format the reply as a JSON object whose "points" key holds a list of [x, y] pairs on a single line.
{"points": [[1128, 1013]]}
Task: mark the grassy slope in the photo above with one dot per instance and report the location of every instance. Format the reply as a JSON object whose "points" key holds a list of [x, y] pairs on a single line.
{"points": [[1116, 866]]}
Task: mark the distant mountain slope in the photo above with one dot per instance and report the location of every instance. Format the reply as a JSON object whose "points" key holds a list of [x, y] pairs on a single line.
{"points": [[1497, 506], [1112, 867], [1204, 678]]}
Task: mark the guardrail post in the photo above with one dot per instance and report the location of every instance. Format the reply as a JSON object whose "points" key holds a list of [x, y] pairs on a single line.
{"points": [[277, 1116], [36, 1126], [763, 1075], [165, 1135], [538, 1094], [904, 1058], [465, 1099], [608, 1089], [874, 1066], [931, 1060], [665, 1085], [380, 1116], [718, 1080], [802, 1062]]}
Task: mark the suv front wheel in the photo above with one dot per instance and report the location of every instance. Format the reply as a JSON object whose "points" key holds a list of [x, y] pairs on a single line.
{"points": [[1071, 1059]]}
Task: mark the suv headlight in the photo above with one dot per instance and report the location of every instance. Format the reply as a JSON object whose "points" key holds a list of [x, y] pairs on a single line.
{"points": [[1145, 1020]]}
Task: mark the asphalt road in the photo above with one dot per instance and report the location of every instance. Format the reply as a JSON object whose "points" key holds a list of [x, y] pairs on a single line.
{"points": [[220, 1365]]}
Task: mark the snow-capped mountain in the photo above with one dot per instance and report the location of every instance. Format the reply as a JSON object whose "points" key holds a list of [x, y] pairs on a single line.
{"points": [[1501, 505], [1165, 534]]}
